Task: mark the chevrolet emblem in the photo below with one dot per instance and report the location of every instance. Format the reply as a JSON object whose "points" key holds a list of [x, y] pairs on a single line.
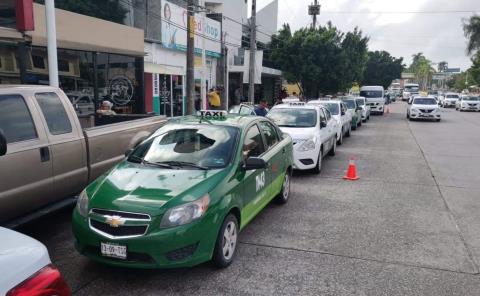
{"points": [[114, 221]]}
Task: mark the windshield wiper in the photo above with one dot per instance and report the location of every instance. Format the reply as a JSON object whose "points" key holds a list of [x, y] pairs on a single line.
{"points": [[135, 159], [183, 164], [159, 164]]}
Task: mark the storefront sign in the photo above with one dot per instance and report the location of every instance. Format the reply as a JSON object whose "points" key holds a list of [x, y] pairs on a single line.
{"points": [[121, 90], [156, 93], [174, 31]]}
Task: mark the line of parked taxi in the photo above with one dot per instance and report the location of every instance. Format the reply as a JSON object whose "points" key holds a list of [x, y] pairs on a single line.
{"points": [[182, 196]]}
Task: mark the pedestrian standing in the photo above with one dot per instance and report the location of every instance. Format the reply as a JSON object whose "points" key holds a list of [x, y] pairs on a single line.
{"points": [[214, 99]]}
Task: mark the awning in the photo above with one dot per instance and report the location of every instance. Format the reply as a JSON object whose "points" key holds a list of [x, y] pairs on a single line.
{"points": [[163, 69]]}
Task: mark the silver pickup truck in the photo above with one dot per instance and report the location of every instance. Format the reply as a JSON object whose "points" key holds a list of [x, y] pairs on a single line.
{"points": [[45, 155]]}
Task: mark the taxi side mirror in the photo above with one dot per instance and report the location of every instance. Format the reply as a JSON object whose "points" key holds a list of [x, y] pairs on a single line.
{"points": [[254, 163], [343, 112], [323, 124], [3, 143]]}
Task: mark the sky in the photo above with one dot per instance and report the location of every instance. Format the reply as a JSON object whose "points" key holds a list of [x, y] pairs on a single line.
{"points": [[438, 35]]}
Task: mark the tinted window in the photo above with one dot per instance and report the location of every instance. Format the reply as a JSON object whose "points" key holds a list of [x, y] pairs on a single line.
{"points": [[350, 104], [323, 118], [253, 144], [371, 93], [327, 114], [332, 107], [54, 113], [294, 117], [38, 62], [270, 134], [207, 146], [424, 101], [15, 119]]}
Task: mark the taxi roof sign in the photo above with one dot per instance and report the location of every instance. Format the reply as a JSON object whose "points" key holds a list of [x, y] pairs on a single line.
{"points": [[297, 104], [213, 114]]}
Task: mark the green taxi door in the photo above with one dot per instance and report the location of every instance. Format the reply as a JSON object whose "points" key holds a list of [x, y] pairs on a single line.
{"points": [[274, 156], [255, 181]]}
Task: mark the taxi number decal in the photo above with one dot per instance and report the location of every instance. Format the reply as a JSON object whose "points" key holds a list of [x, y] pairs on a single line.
{"points": [[260, 181]]}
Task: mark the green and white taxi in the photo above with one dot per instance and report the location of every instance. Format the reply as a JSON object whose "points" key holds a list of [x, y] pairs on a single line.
{"points": [[183, 195]]}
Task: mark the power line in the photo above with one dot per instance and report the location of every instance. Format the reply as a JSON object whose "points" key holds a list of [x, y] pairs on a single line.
{"points": [[401, 12]]}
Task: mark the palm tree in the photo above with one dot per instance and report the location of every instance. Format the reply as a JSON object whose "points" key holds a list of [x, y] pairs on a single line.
{"points": [[471, 28]]}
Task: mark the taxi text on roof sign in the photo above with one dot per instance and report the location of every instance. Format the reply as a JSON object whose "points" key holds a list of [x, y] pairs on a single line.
{"points": [[213, 114], [297, 104]]}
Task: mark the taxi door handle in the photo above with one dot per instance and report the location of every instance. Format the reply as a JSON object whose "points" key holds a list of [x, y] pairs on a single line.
{"points": [[44, 154]]}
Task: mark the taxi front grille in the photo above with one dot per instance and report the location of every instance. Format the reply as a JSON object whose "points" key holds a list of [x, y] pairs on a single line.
{"points": [[120, 231], [125, 215], [426, 110]]}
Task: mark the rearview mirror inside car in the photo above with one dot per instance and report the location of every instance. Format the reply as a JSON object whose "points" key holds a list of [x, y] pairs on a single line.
{"points": [[254, 163], [3, 143]]}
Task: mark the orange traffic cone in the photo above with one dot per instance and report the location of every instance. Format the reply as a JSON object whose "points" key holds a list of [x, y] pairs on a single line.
{"points": [[352, 171]]}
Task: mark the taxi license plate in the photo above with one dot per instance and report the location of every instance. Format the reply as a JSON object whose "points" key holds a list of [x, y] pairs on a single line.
{"points": [[113, 251]]}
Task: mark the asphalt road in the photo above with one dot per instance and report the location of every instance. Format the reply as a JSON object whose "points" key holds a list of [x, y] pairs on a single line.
{"points": [[409, 226]]}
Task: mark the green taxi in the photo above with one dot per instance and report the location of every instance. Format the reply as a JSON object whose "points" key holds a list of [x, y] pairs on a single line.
{"points": [[355, 111], [183, 195]]}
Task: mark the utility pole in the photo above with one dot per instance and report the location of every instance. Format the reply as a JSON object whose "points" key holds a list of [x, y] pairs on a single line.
{"points": [[51, 42], [253, 48], [314, 10], [190, 59]]}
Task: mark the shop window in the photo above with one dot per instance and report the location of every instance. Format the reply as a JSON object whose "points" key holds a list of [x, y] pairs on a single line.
{"points": [[38, 62], [63, 66]]}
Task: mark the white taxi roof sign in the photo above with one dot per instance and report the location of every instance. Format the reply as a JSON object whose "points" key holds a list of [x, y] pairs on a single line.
{"points": [[297, 103], [213, 114]]}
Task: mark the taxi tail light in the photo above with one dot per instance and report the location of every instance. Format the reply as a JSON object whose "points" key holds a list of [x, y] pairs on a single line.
{"points": [[46, 282]]}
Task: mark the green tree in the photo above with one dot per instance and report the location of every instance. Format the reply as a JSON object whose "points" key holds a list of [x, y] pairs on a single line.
{"points": [[471, 28], [321, 60], [109, 10], [442, 66], [474, 71], [422, 67], [382, 69]]}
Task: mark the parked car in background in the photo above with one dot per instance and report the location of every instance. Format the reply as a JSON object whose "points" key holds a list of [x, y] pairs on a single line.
{"points": [[450, 100], [361, 102], [26, 268], [410, 90], [468, 103], [375, 98], [339, 112], [312, 129], [243, 109], [47, 155], [423, 108], [354, 110]]}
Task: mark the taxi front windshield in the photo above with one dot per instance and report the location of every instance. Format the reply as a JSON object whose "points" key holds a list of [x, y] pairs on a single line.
{"points": [[294, 117], [425, 101], [332, 107], [471, 99], [191, 147], [360, 102]]}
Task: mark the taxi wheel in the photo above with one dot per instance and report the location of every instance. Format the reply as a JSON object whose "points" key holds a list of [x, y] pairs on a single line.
{"points": [[318, 168], [226, 243], [334, 149], [282, 197], [340, 141]]}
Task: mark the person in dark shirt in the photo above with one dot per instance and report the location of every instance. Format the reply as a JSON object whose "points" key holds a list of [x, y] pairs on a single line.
{"points": [[261, 109]]}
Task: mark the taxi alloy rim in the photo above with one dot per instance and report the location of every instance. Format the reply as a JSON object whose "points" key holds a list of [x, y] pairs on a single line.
{"points": [[229, 240], [286, 186]]}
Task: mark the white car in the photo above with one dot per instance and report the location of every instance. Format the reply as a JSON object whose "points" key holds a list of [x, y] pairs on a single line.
{"points": [[468, 103], [339, 112], [423, 108], [312, 129], [362, 103], [450, 100], [26, 268], [375, 96]]}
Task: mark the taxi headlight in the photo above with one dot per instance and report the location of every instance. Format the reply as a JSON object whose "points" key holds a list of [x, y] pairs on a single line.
{"points": [[82, 204], [185, 213], [415, 110], [307, 145]]}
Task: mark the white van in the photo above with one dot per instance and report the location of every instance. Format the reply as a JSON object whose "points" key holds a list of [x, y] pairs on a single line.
{"points": [[375, 96]]}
